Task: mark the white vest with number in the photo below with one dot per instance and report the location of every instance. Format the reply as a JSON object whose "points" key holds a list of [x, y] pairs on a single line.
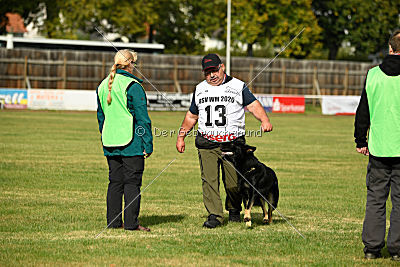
{"points": [[221, 112]]}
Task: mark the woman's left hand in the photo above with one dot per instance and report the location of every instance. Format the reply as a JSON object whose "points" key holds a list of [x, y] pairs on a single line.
{"points": [[146, 155]]}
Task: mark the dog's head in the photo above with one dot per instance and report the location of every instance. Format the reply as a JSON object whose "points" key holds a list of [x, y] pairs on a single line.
{"points": [[237, 152]]}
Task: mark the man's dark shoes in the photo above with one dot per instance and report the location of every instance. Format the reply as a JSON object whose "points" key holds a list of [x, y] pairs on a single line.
{"points": [[396, 257], [372, 256], [234, 216], [211, 222]]}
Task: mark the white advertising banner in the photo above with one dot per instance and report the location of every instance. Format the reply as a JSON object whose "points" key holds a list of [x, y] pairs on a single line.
{"points": [[62, 99], [339, 105], [168, 101]]}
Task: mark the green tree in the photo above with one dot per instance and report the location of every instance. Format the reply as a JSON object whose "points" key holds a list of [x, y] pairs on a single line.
{"points": [[372, 24], [248, 20], [175, 22], [77, 19], [263, 22], [333, 25], [287, 19], [176, 26], [365, 24]]}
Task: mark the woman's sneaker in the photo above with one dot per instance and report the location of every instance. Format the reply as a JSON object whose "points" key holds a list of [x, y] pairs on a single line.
{"points": [[396, 257], [372, 256]]}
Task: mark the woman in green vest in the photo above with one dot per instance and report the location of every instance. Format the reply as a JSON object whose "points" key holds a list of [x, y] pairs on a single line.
{"points": [[127, 139]]}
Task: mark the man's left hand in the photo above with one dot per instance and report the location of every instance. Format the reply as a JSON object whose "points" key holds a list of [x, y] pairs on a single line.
{"points": [[363, 150], [266, 126]]}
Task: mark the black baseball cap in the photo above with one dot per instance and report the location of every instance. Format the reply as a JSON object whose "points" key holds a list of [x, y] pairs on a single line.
{"points": [[210, 61]]}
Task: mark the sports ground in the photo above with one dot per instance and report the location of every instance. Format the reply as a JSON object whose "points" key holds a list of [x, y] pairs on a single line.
{"points": [[53, 183]]}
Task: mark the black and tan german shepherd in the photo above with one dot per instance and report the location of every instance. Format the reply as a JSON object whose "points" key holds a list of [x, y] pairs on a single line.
{"points": [[263, 180]]}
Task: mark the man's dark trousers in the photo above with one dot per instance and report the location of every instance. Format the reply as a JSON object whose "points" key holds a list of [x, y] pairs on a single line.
{"points": [[383, 175], [125, 175], [210, 163]]}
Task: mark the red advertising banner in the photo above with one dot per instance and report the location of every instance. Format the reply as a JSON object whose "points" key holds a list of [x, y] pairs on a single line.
{"points": [[288, 104]]}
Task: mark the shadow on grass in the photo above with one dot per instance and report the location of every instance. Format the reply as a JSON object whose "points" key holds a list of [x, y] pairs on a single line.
{"points": [[160, 219]]}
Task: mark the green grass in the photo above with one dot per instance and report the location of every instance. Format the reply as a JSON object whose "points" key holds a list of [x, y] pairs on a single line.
{"points": [[53, 182]]}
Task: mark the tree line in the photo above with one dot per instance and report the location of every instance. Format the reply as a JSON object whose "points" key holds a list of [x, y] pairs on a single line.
{"points": [[259, 27]]}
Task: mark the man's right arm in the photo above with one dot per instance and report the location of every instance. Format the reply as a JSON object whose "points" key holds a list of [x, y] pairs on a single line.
{"points": [[188, 123], [362, 123]]}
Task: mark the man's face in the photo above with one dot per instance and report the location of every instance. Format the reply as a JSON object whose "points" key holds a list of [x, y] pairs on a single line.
{"points": [[215, 76]]}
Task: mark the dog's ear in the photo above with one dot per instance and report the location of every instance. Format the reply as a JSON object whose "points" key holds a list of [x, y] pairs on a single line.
{"points": [[250, 148]]}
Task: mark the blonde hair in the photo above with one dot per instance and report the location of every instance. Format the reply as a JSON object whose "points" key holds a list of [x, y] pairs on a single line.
{"points": [[122, 59]]}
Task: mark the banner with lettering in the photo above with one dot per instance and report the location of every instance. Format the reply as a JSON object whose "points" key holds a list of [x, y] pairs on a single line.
{"points": [[282, 104], [14, 98], [339, 105]]}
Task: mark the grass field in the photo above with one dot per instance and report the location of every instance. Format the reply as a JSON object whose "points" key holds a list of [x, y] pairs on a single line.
{"points": [[53, 182]]}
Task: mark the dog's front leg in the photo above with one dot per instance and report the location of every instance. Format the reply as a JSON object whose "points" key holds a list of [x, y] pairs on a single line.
{"points": [[247, 217], [247, 211]]}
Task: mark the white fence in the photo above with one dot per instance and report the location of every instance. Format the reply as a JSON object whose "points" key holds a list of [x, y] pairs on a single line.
{"points": [[86, 100]]}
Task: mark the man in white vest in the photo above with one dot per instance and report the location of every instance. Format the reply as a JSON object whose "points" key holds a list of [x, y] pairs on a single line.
{"points": [[218, 105]]}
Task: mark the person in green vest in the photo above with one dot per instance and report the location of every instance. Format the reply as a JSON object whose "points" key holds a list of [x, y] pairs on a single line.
{"points": [[379, 112], [127, 139]]}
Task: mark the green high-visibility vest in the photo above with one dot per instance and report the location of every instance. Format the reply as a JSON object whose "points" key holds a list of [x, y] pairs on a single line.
{"points": [[383, 93], [118, 127]]}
